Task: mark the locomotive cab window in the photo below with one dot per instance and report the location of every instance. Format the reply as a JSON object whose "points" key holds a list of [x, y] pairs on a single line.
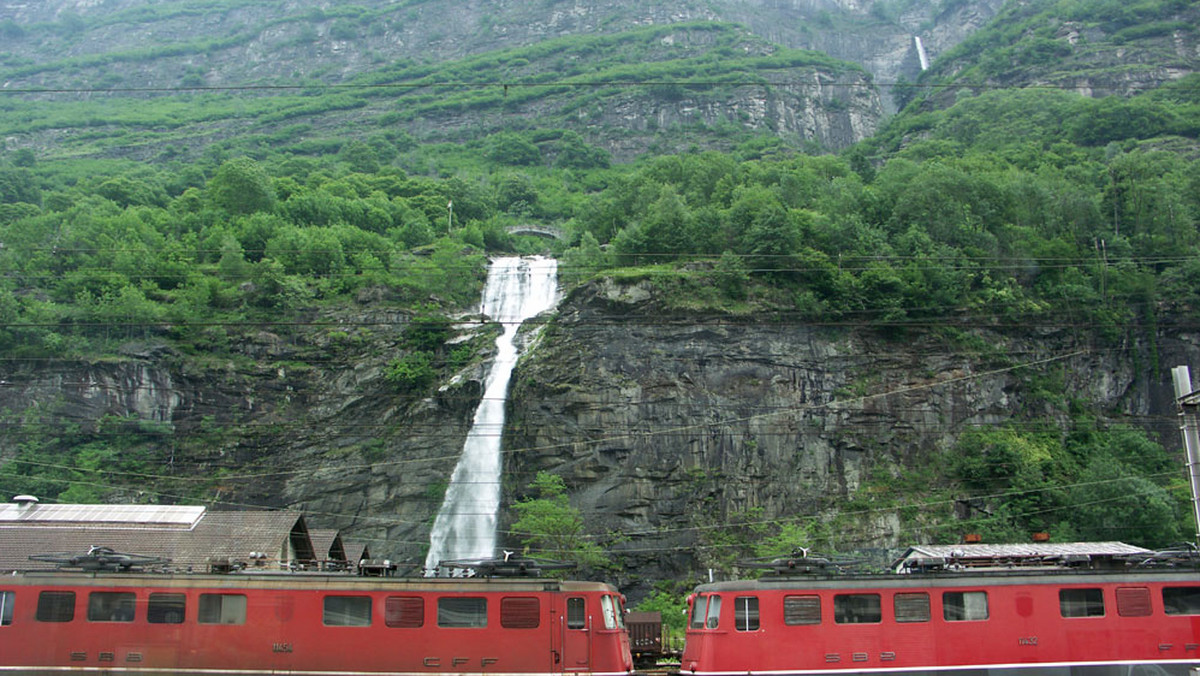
{"points": [[6, 608], [745, 613], [857, 609], [56, 606], [804, 609], [462, 612], [404, 612], [1081, 602], [911, 607], [1181, 600], [576, 615], [520, 612], [706, 611], [347, 611], [619, 611], [609, 609], [110, 607], [166, 608], [964, 606], [222, 609]]}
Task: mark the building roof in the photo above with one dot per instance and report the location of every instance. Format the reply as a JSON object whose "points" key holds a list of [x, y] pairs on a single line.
{"points": [[356, 551], [262, 538], [1016, 554], [127, 515], [327, 544]]}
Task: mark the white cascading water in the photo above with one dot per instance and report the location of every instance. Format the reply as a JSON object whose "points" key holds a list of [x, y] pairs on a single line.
{"points": [[517, 289], [921, 55]]}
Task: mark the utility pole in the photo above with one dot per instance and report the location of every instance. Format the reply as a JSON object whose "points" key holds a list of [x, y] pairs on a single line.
{"points": [[1189, 425], [449, 216]]}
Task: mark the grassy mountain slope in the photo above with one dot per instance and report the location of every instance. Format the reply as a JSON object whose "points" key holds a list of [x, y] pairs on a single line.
{"points": [[623, 90], [1098, 47]]}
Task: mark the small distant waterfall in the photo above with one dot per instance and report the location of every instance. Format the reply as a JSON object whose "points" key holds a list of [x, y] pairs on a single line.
{"points": [[921, 53], [517, 289]]}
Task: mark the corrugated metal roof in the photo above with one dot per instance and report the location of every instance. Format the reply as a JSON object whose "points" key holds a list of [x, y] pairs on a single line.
{"points": [[162, 516], [1022, 550]]}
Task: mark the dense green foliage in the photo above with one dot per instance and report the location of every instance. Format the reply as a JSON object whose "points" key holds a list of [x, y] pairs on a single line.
{"points": [[975, 209]]}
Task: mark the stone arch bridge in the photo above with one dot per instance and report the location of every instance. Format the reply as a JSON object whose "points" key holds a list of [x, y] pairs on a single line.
{"points": [[542, 230]]}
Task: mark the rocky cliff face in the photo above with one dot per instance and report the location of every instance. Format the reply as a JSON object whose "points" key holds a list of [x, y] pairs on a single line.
{"points": [[666, 429]]}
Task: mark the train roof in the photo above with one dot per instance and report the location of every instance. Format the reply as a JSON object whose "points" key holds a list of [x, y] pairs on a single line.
{"points": [[974, 579], [300, 580], [972, 564]]}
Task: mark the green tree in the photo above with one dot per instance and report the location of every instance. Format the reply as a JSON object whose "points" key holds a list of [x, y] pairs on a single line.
{"points": [[547, 525], [513, 150], [575, 153], [241, 186]]}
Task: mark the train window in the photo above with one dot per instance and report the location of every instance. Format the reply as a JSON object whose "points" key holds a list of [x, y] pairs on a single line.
{"points": [[576, 617], [222, 609], [1181, 600], [56, 606], [6, 608], [620, 611], [1133, 601], [857, 609], [713, 618], [110, 607], [166, 608], [347, 611], [609, 610], [802, 609], [745, 613], [520, 612], [911, 607], [706, 611], [964, 606], [1087, 602], [462, 611], [405, 612]]}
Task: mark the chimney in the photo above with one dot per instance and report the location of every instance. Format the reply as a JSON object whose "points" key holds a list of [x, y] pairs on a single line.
{"points": [[25, 502]]}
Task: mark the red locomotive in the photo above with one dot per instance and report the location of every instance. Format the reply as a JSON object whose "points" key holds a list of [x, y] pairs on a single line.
{"points": [[1075, 615], [109, 618]]}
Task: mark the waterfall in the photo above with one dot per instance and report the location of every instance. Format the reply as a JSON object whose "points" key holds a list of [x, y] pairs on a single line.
{"points": [[921, 53], [517, 289]]}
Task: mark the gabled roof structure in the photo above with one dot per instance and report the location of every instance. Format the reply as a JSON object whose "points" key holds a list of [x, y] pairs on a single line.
{"points": [[191, 538], [327, 544]]}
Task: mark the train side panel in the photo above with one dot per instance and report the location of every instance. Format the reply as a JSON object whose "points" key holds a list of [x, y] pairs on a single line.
{"points": [[924, 628], [355, 628]]}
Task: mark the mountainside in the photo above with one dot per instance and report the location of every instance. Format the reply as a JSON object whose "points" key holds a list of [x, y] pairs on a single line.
{"points": [[242, 246], [306, 60]]}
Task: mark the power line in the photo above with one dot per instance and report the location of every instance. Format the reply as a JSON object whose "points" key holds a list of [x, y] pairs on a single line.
{"points": [[504, 86]]}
